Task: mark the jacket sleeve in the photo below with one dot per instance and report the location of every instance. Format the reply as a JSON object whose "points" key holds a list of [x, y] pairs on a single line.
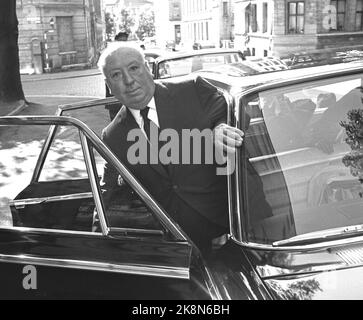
{"points": [[213, 102]]}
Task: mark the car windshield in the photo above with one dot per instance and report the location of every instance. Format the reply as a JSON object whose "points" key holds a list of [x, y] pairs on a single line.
{"points": [[302, 171], [183, 66]]}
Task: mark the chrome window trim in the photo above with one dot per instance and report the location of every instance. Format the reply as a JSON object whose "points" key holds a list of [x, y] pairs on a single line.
{"points": [[51, 231], [44, 152], [193, 54], [132, 269], [230, 118], [91, 169], [302, 248], [105, 152], [126, 231], [31, 201]]}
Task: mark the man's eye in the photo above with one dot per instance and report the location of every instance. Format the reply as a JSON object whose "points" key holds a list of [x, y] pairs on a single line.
{"points": [[134, 68], [116, 75]]}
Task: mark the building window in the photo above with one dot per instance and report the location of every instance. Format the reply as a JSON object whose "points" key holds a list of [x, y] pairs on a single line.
{"points": [[265, 17], [265, 53], [254, 25], [359, 16], [340, 6], [296, 17], [207, 30], [225, 8]]}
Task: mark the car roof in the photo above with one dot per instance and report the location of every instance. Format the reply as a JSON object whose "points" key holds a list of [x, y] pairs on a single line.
{"points": [[252, 81], [156, 52], [180, 55]]}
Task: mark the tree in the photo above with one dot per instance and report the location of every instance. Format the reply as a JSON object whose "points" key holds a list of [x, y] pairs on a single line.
{"points": [[127, 22], [110, 25], [146, 24], [10, 84], [354, 132]]}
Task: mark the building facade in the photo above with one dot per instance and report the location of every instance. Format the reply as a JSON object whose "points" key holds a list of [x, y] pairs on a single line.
{"points": [[208, 22], [168, 17], [59, 34], [281, 27]]}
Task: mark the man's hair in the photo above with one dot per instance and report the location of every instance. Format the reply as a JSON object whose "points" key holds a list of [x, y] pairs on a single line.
{"points": [[114, 47], [121, 36]]}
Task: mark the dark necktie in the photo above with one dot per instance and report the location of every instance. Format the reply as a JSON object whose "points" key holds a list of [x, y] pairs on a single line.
{"points": [[144, 112], [147, 121]]}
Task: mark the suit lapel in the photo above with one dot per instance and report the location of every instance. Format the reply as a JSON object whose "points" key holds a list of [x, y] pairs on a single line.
{"points": [[129, 123]]}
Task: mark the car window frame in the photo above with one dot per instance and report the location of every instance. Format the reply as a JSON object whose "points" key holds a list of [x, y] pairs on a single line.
{"points": [[242, 97], [87, 137]]}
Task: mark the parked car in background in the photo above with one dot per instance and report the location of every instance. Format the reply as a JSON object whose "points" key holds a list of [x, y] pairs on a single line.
{"points": [[323, 57], [203, 45], [176, 64], [295, 201]]}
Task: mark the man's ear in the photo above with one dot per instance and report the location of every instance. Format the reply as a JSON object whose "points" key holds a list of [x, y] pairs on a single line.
{"points": [[107, 85], [147, 66]]}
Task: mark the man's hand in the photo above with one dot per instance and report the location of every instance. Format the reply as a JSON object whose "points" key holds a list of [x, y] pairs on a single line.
{"points": [[227, 139]]}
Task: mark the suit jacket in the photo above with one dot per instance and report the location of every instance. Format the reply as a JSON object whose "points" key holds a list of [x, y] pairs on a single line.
{"points": [[192, 104]]}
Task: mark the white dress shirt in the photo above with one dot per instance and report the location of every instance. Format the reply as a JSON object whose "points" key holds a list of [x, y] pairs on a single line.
{"points": [[152, 115]]}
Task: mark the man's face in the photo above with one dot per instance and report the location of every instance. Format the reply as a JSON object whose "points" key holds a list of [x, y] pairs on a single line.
{"points": [[128, 78]]}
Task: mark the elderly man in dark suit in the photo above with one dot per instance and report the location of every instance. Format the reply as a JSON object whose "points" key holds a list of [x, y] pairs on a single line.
{"points": [[193, 194]]}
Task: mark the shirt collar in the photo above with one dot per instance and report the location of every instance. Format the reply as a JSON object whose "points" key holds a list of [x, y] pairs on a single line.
{"points": [[152, 115]]}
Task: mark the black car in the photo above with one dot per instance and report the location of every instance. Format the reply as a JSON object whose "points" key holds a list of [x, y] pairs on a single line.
{"points": [[303, 156]]}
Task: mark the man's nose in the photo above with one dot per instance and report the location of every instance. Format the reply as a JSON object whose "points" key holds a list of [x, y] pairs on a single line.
{"points": [[127, 78]]}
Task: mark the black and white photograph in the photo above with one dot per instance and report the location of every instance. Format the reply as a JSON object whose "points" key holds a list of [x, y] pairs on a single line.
{"points": [[181, 155]]}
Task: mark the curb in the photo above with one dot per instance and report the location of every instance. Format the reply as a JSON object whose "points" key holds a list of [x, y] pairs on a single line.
{"points": [[18, 109], [61, 76]]}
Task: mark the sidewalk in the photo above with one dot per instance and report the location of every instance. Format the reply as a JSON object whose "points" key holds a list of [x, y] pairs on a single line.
{"points": [[13, 108], [60, 75]]}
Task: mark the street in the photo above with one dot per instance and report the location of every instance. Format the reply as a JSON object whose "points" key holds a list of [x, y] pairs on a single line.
{"points": [[64, 87]]}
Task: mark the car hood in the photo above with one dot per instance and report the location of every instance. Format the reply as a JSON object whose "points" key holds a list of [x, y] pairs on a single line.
{"points": [[334, 272], [328, 285]]}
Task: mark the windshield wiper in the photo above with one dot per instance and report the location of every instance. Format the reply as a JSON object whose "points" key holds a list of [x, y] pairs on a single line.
{"points": [[318, 236]]}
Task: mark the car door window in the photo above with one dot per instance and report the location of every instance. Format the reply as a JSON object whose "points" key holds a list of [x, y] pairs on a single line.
{"points": [[62, 199], [124, 209], [64, 160], [303, 146]]}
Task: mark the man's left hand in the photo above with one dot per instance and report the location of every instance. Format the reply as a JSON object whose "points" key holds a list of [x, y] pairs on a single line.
{"points": [[227, 138]]}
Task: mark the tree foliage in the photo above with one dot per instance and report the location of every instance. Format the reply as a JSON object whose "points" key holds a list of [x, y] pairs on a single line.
{"points": [[10, 85], [354, 132], [146, 24], [143, 23], [127, 21], [110, 25]]}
